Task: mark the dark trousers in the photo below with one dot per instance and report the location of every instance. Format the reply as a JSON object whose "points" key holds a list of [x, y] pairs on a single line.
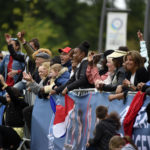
{"points": [[27, 113], [9, 139]]}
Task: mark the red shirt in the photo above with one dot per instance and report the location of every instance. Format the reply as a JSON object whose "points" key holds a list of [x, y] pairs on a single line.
{"points": [[9, 80]]}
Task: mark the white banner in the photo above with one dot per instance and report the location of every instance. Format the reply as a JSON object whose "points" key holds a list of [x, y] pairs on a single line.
{"points": [[116, 30]]}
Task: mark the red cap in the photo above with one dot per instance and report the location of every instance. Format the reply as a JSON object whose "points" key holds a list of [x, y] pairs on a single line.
{"points": [[66, 50]]}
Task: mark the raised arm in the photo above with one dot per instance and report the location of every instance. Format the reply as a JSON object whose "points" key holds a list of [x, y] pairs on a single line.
{"points": [[143, 48], [26, 45], [13, 53]]}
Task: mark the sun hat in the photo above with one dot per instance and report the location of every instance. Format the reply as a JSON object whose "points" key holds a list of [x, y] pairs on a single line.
{"points": [[117, 54]]}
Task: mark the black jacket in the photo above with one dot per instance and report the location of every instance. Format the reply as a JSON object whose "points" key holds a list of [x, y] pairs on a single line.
{"points": [[78, 80], [140, 76], [119, 76], [13, 110], [104, 130]]}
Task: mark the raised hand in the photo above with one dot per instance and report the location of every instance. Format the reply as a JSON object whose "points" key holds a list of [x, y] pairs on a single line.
{"points": [[140, 35], [8, 38], [20, 36]]}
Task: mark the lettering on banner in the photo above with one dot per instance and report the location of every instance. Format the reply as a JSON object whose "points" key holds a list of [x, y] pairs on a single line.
{"points": [[141, 119], [143, 141], [123, 114]]}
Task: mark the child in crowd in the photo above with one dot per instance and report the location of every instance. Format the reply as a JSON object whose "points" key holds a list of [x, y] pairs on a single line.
{"points": [[107, 127], [11, 131], [121, 143], [59, 76]]}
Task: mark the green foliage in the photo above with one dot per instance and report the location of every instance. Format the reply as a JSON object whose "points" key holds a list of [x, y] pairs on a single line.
{"points": [[135, 21], [60, 23]]}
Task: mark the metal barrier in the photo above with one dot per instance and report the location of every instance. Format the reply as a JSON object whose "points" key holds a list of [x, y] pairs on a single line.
{"points": [[23, 145]]}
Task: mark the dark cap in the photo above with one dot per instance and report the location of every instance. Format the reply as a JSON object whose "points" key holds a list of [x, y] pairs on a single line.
{"points": [[43, 55], [65, 50]]}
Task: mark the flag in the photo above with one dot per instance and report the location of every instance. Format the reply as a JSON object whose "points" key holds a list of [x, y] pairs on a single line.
{"points": [[62, 116]]}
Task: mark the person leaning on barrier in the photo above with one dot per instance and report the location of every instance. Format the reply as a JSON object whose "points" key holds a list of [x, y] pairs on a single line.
{"points": [[135, 73], [11, 131], [92, 72], [119, 74], [79, 79], [59, 76]]}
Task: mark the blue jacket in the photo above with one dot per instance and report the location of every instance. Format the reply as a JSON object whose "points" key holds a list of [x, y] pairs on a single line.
{"points": [[68, 65], [63, 77], [15, 66]]}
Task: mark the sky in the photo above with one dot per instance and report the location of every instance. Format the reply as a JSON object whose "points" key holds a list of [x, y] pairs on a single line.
{"points": [[120, 4]]}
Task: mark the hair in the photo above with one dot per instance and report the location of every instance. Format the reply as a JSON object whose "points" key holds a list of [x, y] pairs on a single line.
{"points": [[17, 43], [55, 60], [117, 141], [101, 112], [115, 116], [42, 50], [56, 67], [36, 42], [123, 48], [46, 65], [137, 58], [118, 62], [84, 47]]}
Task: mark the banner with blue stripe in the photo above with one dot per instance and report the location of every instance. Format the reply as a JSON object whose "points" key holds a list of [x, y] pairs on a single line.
{"points": [[81, 121]]}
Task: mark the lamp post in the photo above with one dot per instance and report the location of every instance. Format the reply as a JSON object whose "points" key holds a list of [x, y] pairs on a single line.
{"points": [[101, 27]]}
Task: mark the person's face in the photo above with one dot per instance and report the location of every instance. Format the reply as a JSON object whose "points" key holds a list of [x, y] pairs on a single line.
{"points": [[33, 46], [130, 64], [74, 64], [1, 57], [39, 61], [8, 98], [43, 72], [53, 73], [64, 57], [16, 47], [110, 65], [77, 55]]}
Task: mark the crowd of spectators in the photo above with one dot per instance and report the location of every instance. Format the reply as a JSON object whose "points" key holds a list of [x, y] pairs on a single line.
{"points": [[117, 71]]}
